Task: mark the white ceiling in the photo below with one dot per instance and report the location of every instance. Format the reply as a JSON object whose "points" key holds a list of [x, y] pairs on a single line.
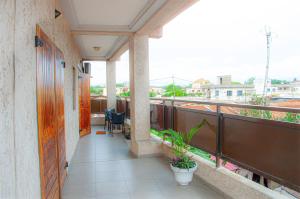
{"points": [[113, 12], [109, 16], [88, 42]]}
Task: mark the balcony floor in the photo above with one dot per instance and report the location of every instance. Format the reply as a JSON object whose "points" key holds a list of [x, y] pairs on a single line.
{"points": [[102, 167]]}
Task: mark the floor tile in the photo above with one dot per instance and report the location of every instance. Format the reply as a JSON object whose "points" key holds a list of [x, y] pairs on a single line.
{"points": [[103, 167], [113, 196], [106, 188], [79, 190]]}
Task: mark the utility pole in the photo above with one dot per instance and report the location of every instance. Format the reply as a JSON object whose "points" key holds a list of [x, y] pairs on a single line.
{"points": [[269, 38]]}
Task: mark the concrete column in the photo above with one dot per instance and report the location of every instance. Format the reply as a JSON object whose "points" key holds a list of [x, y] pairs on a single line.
{"points": [[111, 84], [139, 97]]}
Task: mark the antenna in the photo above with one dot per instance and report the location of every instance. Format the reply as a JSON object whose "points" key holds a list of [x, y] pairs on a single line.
{"points": [[269, 39]]}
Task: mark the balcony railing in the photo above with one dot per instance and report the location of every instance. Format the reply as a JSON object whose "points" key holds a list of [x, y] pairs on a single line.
{"points": [[98, 105], [266, 147]]}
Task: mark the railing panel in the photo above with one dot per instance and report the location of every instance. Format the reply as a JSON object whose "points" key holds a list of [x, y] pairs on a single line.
{"points": [[168, 113], [98, 105], [95, 106], [127, 109], [269, 148], [103, 105], [157, 116], [185, 119], [121, 106]]}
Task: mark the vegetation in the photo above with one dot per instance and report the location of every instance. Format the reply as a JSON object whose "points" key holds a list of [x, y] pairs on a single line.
{"points": [[189, 86], [96, 90], [266, 114], [125, 94], [278, 81], [250, 81], [236, 83], [292, 118], [196, 151], [173, 90], [152, 94], [181, 145]]}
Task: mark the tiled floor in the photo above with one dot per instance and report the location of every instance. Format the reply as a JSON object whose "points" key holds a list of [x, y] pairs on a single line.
{"points": [[102, 167]]}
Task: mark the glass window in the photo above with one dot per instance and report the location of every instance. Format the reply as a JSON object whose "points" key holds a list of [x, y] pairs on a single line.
{"points": [[229, 93], [239, 93], [217, 93]]}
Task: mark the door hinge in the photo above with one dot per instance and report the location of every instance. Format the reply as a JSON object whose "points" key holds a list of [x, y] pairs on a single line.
{"points": [[64, 64], [66, 165], [38, 42]]}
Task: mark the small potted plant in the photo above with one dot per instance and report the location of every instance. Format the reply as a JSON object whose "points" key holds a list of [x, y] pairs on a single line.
{"points": [[183, 165]]}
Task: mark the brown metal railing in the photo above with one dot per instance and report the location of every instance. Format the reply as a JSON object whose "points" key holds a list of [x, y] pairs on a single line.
{"points": [[98, 104], [266, 147]]}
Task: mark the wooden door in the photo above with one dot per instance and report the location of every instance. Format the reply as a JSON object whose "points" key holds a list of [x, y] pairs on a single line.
{"points": [[60, 115], [47, 118], [85, 105]]}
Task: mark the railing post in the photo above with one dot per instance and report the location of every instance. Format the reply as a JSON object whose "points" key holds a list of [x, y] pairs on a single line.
{"points": [[164, 115], [172, 115], [218, 140], [125, 107]]}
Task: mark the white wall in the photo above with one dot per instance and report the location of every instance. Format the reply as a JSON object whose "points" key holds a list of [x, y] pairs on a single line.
{"points": [[7, 163], [19, 158]]}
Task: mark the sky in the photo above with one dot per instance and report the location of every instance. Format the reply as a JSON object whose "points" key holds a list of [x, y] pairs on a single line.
{"points": [[217, 37]]}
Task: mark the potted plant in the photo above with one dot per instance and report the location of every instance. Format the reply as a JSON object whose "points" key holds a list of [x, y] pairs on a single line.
{"points": [[183, 165]]}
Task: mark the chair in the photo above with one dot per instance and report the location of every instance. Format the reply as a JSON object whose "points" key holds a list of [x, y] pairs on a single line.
{"points": [[108, 117], [117, 119]]}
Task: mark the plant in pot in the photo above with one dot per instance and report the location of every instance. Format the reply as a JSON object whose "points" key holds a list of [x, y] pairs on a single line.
{"points": [[183, 165]]}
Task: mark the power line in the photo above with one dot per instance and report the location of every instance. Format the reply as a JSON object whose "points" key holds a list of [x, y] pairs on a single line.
{"points": [[183, 79], [173, 77], [160, 79]]}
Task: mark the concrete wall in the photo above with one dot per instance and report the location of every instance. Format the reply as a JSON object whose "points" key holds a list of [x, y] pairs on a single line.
{"points": [[19, 159], [64, 41], [7, 166], [230, 184]]}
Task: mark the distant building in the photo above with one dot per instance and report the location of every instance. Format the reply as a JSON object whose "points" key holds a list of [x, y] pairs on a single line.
{"points": [[158, 90], [278, 90], [229, 92], [224, 80], [225, 90], [196, 86], [284, 90]]}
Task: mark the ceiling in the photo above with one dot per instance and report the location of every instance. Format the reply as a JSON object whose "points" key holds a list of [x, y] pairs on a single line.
{"points": [[106, 23]]}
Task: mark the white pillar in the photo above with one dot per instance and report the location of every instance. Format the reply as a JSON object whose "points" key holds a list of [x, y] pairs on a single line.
{"points": [[111, 84], [139, 97]]}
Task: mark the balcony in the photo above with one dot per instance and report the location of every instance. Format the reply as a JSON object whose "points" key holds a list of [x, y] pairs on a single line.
{"points": [[253, 145], [44, 45]]}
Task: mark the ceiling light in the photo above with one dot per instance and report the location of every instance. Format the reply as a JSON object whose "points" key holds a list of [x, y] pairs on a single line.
{"points": [[96, 48]]}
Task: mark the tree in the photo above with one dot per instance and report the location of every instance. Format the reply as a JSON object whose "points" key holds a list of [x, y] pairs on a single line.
{"points": [[152, 94], [235, 83], [278, 81], [189, 86], [250, 81], [125, 94], [174, 90], [96, 90]]}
